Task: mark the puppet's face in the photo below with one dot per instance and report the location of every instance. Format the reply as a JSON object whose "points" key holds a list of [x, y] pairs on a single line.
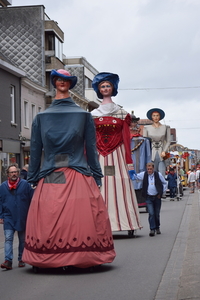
{"points": [[155, 117], [105, 88], [62, 84]]}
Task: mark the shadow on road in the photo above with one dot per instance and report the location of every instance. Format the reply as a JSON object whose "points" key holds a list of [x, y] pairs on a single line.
{"points": [[69, 270]]}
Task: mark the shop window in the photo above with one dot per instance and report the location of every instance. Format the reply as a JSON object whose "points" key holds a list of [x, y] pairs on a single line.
{"points": [[12, 159], [26, 157]]}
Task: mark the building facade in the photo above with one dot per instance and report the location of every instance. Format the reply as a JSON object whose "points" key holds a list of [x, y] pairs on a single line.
{"points": [[10, 115], [85, 72], [33, 42]]}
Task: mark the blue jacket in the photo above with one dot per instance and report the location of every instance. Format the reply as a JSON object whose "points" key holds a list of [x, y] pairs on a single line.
{"points": [[65, 134], [172, 180], [14, 204]]}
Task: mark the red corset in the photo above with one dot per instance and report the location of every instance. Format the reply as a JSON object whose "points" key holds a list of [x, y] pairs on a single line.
{"points": [[109, 134]]}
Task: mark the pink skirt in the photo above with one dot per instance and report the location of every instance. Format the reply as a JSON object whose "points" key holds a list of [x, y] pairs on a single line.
{"points": [[68, 223]]}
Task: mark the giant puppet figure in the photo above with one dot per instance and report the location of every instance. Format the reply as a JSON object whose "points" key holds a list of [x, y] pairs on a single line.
{"points": [[68, 222], [113, 144], [160, 138], [141, 155]]}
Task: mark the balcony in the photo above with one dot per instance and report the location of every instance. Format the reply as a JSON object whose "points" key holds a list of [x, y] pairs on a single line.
{"points": [[53, 26], [52, 62]]}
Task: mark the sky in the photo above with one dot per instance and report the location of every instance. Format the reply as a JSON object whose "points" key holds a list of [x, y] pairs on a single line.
{"points": [[153, 45]]}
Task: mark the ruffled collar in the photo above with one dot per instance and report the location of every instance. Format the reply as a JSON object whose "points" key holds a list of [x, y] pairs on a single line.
{"points": [[105, 109]]}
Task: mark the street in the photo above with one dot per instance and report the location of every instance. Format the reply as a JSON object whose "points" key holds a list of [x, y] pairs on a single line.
{"points": [[135, 273]]}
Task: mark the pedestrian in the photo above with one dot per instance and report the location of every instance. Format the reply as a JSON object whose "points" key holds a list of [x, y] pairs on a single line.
{"points": [[198, 178], [192, 180], [15, 198], [172, 183], [154, 185], [188, 172], [68, 223], [113, 144], [24, 172]]}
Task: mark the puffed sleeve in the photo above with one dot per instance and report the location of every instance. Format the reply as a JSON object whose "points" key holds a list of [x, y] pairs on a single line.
{"points": [[35, 151], [91, 150], [167, 139], [126, 139]]}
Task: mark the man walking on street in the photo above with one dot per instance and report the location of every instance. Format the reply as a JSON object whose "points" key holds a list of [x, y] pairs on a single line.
{"points": [[172, 183], [154, 185], [198, 178], [192, 180], [15, 198]]}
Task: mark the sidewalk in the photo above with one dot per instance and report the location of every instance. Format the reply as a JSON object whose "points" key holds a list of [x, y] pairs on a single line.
{"points": [[181, 279]]}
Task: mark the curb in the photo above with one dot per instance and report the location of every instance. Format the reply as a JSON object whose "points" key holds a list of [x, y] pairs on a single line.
{"points": [[179, 281]]}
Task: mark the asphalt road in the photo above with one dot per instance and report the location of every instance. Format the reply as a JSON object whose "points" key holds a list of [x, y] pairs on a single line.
{"points": [[135, 274]]}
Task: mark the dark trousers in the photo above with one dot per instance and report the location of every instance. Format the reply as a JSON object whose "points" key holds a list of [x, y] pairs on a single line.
{"points": [[154, 206], [172, 192]]}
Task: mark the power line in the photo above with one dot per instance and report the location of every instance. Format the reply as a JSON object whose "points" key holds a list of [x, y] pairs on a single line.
{"points": [[161, 88], [189, 128]]}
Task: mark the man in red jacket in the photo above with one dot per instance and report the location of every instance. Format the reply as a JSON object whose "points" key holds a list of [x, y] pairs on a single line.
{"points": [[15, 198]]}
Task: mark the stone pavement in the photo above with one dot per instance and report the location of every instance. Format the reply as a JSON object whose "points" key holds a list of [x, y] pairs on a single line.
{"points": [[181, 278]]}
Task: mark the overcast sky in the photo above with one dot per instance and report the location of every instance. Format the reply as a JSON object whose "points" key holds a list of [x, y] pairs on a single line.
{"points": [[153, 45]]}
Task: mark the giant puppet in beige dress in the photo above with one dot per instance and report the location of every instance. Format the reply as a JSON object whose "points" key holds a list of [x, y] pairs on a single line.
{"points": [[160, 138], [113, 144]]}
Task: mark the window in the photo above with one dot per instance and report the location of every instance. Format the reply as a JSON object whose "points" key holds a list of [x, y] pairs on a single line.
{"points": [[12, 98], [39, 109], [33, 111], [51, 44], [58, 48], [26, 119], [88, 83]]}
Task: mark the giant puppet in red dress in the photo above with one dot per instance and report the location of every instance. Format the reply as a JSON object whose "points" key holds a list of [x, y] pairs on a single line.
{"points": [[113, 144]]}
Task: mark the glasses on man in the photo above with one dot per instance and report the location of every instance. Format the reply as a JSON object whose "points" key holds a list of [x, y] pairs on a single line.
{"points": [[105, 86], [62, 79], [13, 172]]}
